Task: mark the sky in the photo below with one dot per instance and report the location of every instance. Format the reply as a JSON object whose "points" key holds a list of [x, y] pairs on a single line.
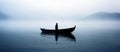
{"points": [[56, 8]]}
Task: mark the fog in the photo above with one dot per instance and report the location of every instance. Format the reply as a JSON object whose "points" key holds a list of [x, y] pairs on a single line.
{"points": [[56, 9], [21, 20]]}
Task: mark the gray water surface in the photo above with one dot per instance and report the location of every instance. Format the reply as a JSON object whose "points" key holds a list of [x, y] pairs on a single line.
{"points": [[90, 37]]}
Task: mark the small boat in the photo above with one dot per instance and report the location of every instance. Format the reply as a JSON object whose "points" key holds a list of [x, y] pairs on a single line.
{"points": [[67, 30]]}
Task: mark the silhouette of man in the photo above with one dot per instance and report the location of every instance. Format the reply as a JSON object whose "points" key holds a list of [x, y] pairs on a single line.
{"points": [[56, 32], [56, 26]]}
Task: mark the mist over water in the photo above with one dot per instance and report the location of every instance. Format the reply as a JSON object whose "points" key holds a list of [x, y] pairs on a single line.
{"points": [[91, 36], [97, 25]]}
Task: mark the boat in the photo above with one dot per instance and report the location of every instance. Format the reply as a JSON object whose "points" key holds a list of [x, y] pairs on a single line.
{"points": [[66, 30]]}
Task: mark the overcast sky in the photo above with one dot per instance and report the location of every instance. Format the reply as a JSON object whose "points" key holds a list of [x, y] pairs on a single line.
{"points": [[57, 8]]}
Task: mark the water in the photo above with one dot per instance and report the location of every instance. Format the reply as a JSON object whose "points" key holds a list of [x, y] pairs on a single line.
{"points": [[90, 36]]}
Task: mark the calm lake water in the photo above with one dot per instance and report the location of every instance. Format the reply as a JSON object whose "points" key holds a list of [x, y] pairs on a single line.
{"points": [[90, 36]]}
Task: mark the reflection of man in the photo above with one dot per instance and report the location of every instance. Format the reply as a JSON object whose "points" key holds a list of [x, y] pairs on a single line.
{"points": [[56, 32]]}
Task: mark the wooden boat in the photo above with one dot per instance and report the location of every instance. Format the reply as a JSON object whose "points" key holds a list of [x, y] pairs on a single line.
{"points": [[67, 30]]}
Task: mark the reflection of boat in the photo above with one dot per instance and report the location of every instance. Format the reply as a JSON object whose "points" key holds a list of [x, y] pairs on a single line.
{"points": [[69, 36], [67, 30], [59, 32]]}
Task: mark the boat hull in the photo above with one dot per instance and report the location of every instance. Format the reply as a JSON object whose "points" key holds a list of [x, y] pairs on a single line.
{"points": [[67, 30]]}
